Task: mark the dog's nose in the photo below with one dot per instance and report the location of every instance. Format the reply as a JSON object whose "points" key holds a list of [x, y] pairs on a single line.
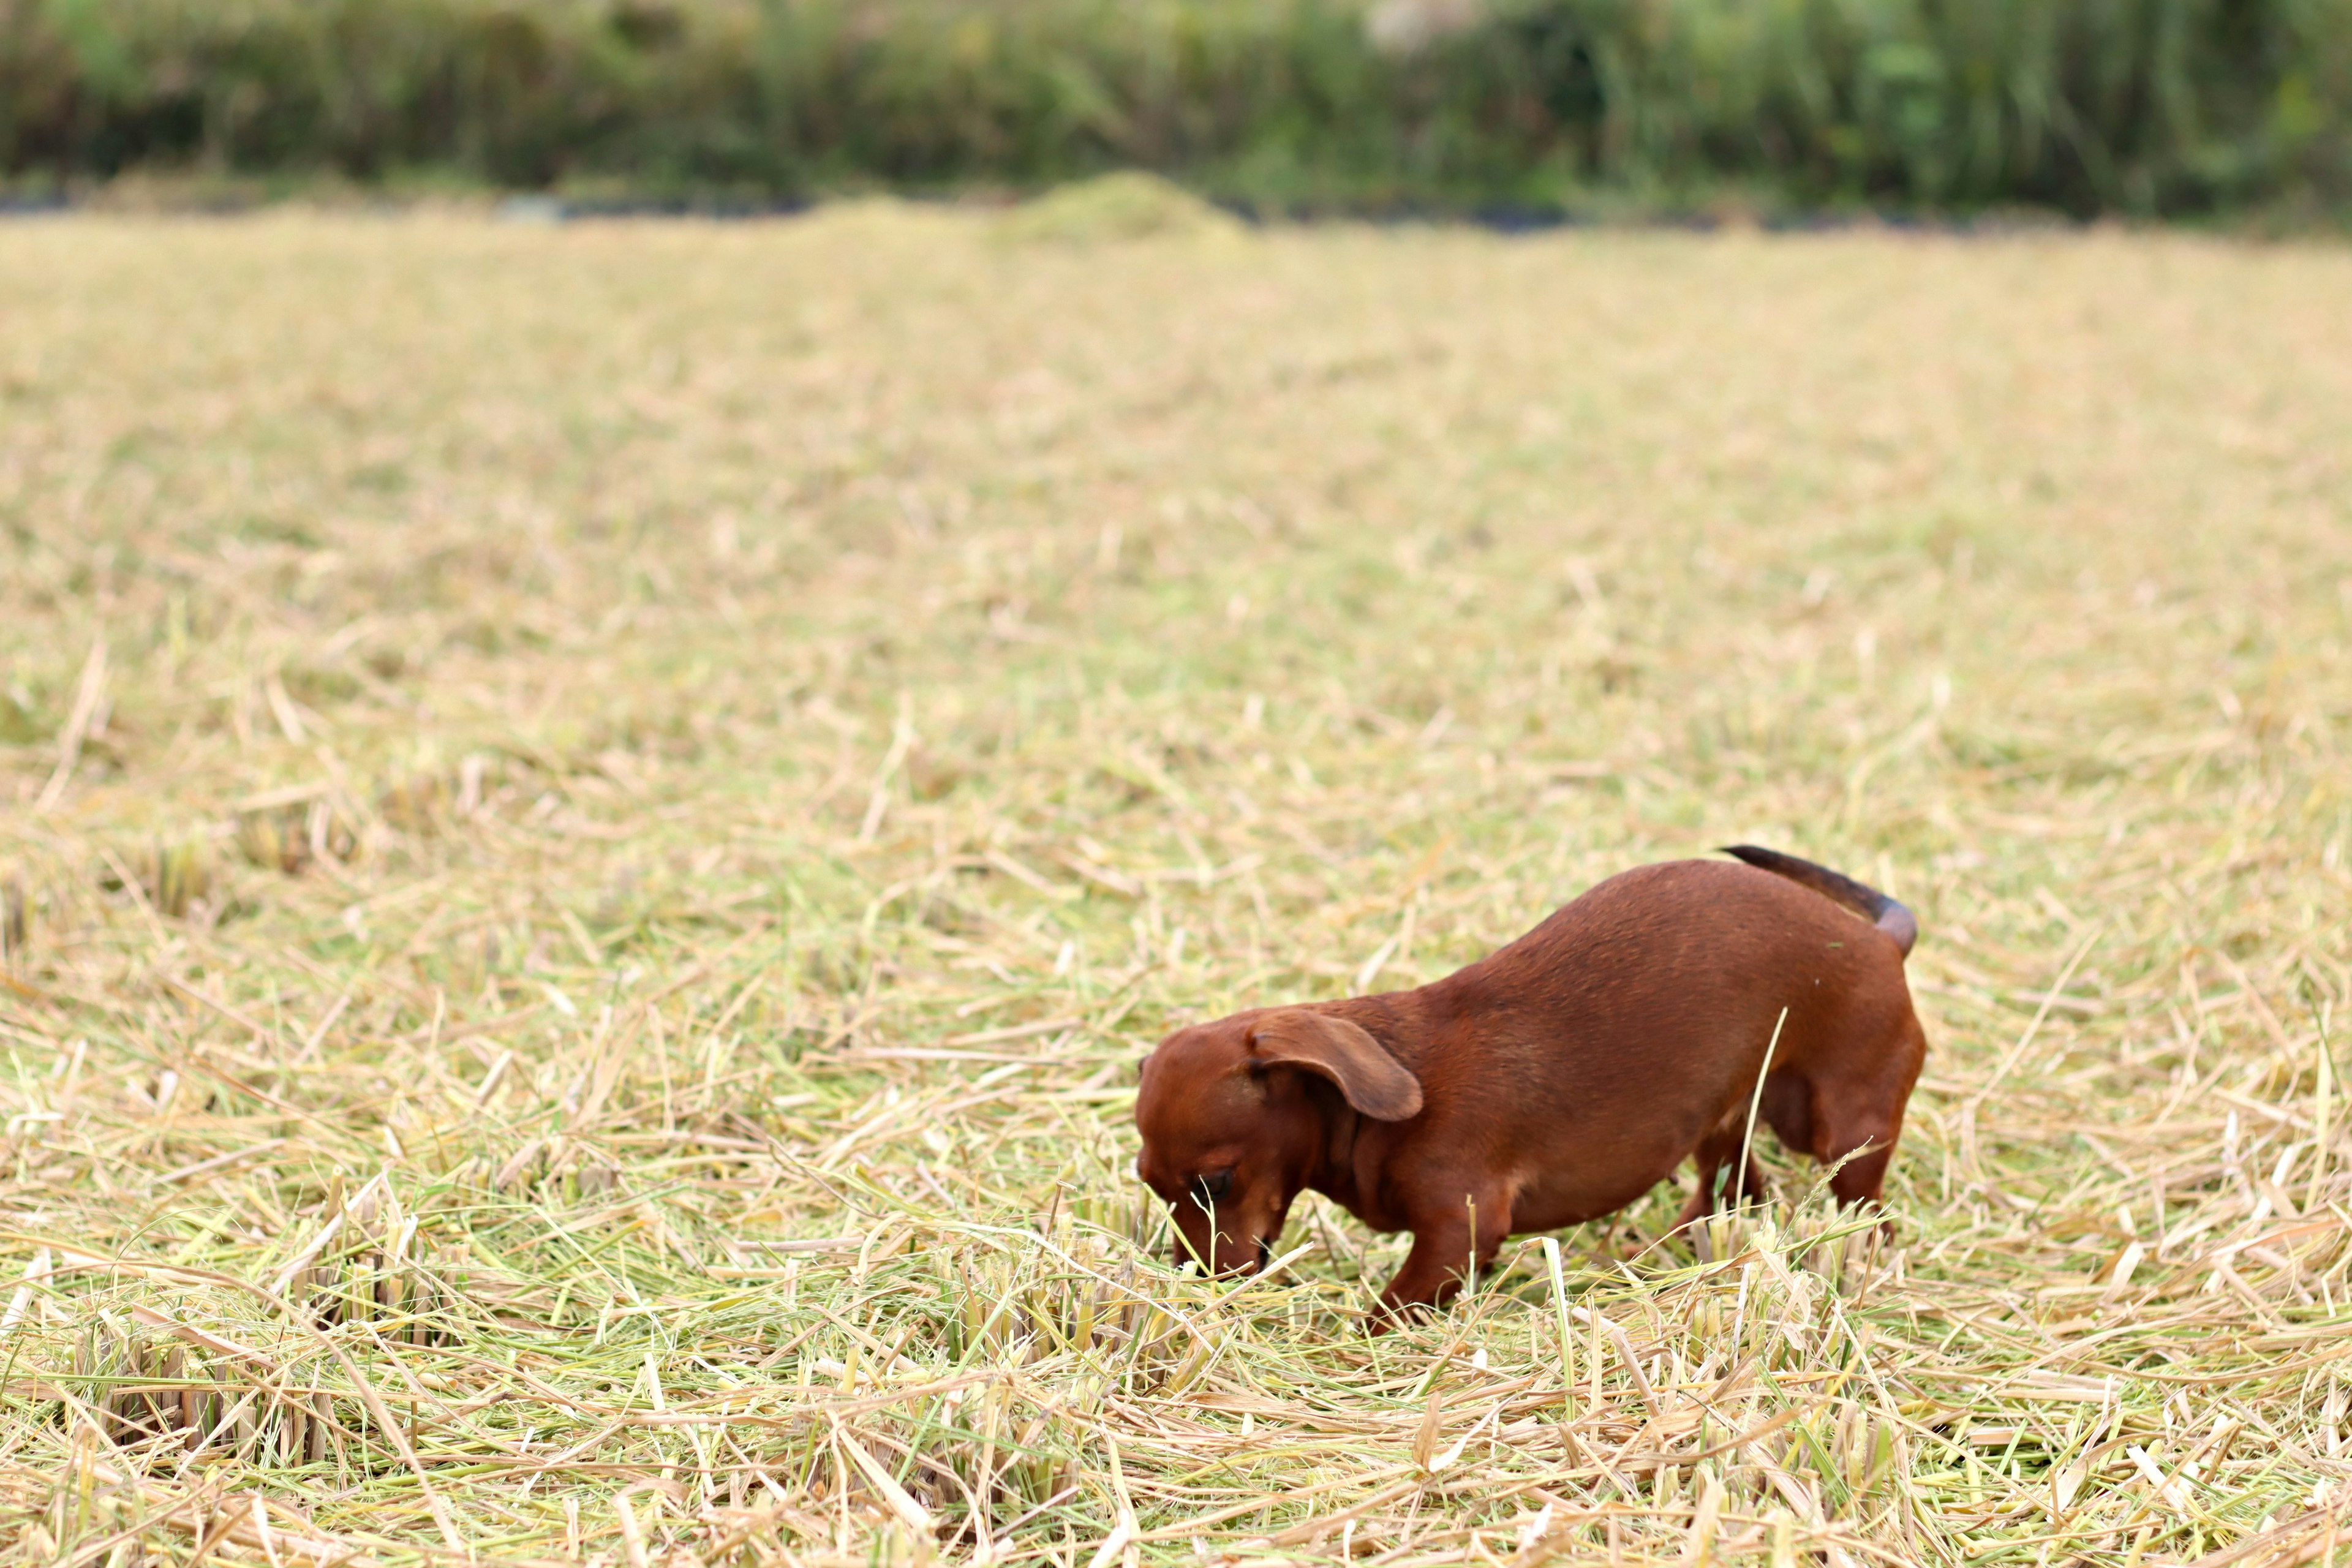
{"points": [[1265, 1254]]}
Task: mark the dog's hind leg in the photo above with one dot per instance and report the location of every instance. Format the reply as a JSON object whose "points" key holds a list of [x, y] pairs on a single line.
{"points": [[1721, 1151], [1747, 1186], [1697, 1206], [1858, 1122]]}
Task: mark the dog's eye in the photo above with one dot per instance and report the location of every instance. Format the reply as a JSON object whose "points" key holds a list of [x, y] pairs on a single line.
{"points": [[1209, 1189]]}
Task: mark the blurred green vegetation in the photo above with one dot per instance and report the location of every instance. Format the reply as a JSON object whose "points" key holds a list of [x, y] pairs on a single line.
{"points": [[2169, 107]]}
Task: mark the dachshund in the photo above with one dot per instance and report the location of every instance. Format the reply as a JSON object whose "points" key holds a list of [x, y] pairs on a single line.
{"points": [[1556, 1079]]}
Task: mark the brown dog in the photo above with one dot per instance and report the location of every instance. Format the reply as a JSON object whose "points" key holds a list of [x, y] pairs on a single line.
{"points": [[1554, 1080]]}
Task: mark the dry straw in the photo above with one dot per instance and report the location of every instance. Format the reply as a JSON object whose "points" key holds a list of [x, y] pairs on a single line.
{"points": [[599, 816]]}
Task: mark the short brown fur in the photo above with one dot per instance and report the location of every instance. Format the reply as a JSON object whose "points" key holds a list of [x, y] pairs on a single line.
{"points": [[1558, 1078]]}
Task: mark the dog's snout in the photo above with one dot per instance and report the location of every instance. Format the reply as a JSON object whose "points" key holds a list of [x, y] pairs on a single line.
{"points": [[1225, 1255]]}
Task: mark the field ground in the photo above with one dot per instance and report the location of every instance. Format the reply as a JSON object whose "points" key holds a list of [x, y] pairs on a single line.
{"points": [[598, 816]]}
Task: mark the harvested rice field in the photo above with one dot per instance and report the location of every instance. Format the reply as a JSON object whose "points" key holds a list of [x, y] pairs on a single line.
{"points": [[598, 815]]}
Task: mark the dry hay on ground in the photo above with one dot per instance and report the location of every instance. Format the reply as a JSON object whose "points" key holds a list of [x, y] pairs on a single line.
{"points": [[598, 816]]}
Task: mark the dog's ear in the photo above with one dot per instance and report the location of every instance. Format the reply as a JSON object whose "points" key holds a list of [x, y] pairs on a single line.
{"points": [[1374, 1081]]}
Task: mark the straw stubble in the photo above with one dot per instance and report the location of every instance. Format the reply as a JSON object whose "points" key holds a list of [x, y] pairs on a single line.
{"points": [[573, 974]]}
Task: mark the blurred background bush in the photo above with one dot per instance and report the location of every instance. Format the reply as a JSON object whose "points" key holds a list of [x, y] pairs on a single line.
{"points": [[2169, 107]]}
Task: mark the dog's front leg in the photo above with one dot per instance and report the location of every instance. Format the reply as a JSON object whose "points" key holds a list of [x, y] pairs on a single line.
{"points": [[1447, 1250]]}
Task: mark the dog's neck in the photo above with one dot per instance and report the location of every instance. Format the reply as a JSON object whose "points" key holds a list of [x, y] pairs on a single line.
{"points": [[1398, 1020], [1335, 1173]]}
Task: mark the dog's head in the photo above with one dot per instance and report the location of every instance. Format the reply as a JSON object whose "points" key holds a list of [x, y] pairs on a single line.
{"points": [[1234, 1116]]}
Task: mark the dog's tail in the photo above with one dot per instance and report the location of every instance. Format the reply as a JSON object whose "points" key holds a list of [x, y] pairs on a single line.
{"points": [[1868, 902]]}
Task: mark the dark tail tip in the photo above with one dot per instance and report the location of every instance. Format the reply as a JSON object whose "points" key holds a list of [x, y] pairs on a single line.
{"points": [[1838, 888], [1900, 924]]}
